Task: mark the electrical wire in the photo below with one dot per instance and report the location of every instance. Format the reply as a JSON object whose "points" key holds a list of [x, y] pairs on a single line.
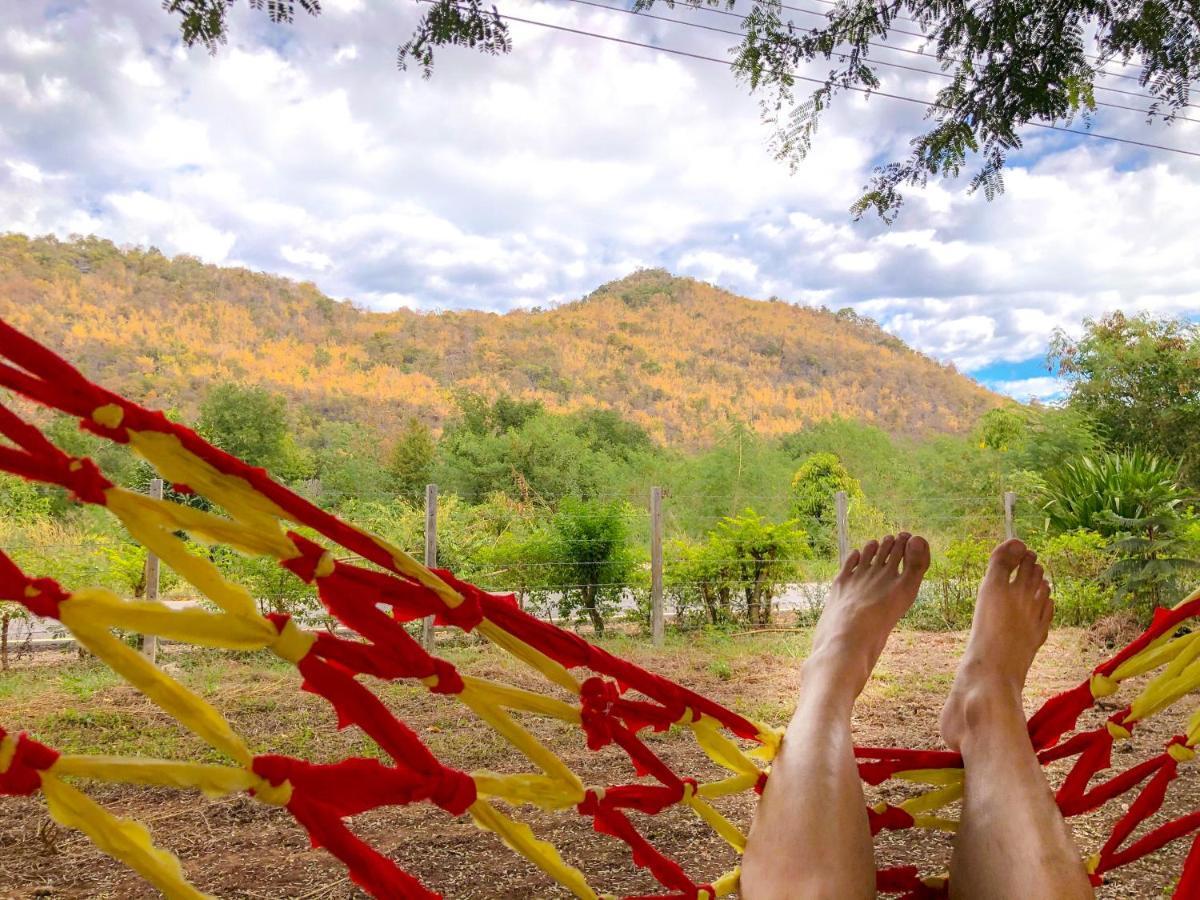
{"points": [[881, 46], [675, 51]]}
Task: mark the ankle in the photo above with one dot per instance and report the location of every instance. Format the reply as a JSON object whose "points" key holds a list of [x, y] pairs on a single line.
{"points": [[834, 679], [989, 706]]}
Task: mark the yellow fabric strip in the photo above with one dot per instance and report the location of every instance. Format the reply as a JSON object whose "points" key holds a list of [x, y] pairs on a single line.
{"points": [[720, 749], [191, 624], [537, 753], [1153, 657], [931, 776], [526, 701], [1193, 729], [541, 791], [519, 837], [718, 823], [122, 839], [727, 883], [213, 780], [169, 695], [207, 528], [179, 466], [935, 823], [1163, 691], [733, 785], [8, 750], [528, 655], [932, 800], [201, 573]]}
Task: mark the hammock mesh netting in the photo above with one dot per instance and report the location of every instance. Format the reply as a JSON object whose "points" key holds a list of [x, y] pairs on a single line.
{"points": [[612, 701]]}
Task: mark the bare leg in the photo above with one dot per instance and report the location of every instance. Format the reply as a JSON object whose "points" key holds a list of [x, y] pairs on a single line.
{"points": [[1011, 841], [810, 837]]}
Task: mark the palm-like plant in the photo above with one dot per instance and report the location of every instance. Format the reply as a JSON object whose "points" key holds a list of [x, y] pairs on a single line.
{"points": [[1100, 493], [1135, 500]]}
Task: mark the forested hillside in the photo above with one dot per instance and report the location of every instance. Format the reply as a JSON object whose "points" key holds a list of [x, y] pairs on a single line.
{"points": [[674, 355]]}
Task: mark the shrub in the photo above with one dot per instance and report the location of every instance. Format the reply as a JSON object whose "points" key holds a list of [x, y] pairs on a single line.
{"points": [[1076, 563], [947, 599]]}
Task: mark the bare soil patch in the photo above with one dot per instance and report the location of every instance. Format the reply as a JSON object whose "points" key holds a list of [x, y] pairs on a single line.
{"points": [[236, 847]]}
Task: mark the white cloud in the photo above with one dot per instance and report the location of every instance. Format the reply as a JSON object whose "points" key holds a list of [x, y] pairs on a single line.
{"points": [[1044, 388], [310, 259], [534, 177]]}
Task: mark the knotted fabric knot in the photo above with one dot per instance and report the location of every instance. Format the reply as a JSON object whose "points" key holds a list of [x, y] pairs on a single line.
{"points": [[312, 563], [42, 596], [761, 782], [688, 788], [452, 790], [20, 762], [1103, 686], [293, 643], [1117, 727], [445, 678], [467, 614], [885, 816], [706, 892], [1179, 749], [590, 804], [597, 697], [85, 480]]}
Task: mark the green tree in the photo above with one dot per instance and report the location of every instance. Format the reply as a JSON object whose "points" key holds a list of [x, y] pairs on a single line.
{"points": [[743, 565], [1002, 428], [520, 450], [593, 560], [1138, 379], [347, 463], [252, 424], [607, 432], [814, 485], [1152, 564], [410, 461], [1054, 52]]}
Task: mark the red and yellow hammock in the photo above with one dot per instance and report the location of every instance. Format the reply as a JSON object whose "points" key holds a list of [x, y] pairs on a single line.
{"points": [[613, 701]]}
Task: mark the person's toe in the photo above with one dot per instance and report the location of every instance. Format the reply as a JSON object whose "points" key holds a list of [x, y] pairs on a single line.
{"points": [[868, 552], [1005, 558], [916, 558], [849, 565], [885, 550], [1045, 601], [897, 552], [1024, 577], [1036, 577]]}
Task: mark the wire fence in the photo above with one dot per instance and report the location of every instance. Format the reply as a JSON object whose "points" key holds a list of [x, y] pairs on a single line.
{"points": [[566, 564]]}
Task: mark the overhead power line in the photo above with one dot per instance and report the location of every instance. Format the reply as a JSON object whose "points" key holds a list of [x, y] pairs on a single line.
{"points": [[878, 45], [674, 51], [891, 65], [1091, 57]]}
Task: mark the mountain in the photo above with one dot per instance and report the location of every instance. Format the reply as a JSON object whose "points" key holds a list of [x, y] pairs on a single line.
{"points": [[676, 355]]}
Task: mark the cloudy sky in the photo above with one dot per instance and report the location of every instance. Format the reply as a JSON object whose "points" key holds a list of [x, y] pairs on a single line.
{"points": [[533, 178]]}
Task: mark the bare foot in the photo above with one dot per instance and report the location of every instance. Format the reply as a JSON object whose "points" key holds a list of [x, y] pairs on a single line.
{"points": [[1012, 618], [870, 594]]}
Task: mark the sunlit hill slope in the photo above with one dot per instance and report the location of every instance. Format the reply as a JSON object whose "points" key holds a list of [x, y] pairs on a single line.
{"points": [[676, 355]]}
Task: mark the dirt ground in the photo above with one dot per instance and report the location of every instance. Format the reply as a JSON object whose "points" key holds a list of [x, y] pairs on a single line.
{"points": [[236, 847]]}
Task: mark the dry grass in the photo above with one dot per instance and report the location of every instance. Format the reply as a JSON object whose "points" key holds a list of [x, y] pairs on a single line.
{"points": [[236, 847]]}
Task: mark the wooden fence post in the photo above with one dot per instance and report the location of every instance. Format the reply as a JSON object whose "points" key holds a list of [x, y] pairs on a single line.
{"points": [[843, 525], [1010, 502], [657, 623], [150, 641], [431, 498]]}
